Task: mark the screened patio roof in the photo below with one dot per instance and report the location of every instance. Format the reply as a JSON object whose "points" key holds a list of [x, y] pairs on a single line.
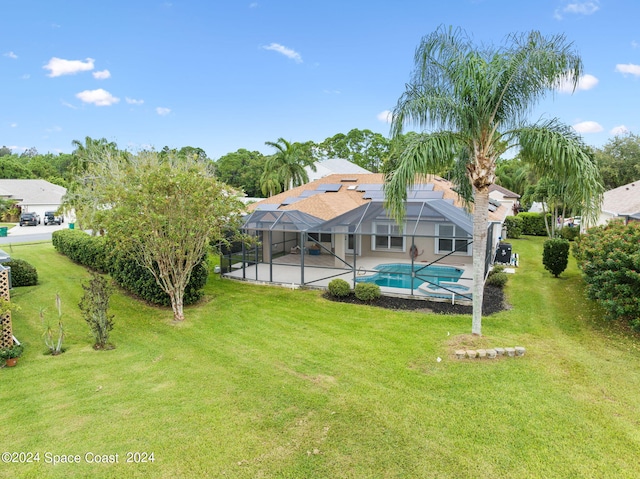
{"points": [[360, 220]]}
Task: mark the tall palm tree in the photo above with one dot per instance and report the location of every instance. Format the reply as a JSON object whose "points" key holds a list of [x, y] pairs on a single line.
{"points": [[287, 165], [475, 102]]}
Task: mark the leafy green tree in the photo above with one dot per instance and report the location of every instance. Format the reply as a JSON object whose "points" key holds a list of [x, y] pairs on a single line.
{"points": [[362, 147], [619, 161], [242, 169], [12, 167], [286, 166], [85, 153], [514, 175], [168, 209], [5, 151], [475, 101]]}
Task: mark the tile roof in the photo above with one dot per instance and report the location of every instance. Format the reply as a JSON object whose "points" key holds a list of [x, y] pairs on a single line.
{"points": [[507, 193]]}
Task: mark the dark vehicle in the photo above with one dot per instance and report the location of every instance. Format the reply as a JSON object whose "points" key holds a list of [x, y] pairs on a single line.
{"points": [[50, 218], [29, 219]]}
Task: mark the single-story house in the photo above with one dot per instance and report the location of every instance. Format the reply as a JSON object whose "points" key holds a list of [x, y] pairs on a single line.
{"points": [[621, 203], [506, 197], [337, 226], [33, 196]]}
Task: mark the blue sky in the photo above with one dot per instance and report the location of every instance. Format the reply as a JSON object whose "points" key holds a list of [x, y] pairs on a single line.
{"points": [[228, 74]]}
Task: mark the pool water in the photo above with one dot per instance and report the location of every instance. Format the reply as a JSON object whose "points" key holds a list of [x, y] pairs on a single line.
{"points": [[398, 275]]}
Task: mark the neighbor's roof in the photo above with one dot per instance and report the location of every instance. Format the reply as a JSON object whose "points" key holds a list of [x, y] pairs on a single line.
{"points": [[507, 193], [333, 166], [335, 195], [32, 192], [624, 200]]}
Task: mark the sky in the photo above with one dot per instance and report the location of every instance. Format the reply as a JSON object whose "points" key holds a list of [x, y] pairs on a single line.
{"points": [[228, 74]]}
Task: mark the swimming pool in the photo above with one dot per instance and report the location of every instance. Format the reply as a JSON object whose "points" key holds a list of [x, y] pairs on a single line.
{"points": [[399, 275]]}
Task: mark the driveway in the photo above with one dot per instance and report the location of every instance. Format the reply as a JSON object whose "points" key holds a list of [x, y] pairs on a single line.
{"points": [[22, 234]]}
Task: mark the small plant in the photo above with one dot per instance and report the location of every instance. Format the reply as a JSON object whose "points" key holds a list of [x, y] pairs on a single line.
{"points": [[22, 273], [11, 352], [339, 288], [54, 345], [569, 233], [555, 255], [94, 307], [498, 279], [367, 291]]}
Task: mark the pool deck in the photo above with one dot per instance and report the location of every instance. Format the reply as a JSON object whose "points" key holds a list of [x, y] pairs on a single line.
{"points": [[320, 270]]}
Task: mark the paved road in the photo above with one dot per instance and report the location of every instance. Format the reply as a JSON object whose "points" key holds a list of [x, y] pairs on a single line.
{"points": [[26, 234]]}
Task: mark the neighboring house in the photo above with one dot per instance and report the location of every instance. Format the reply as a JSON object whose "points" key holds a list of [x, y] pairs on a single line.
{"points": [[507, 198], [339, 223], [621, 203], [333, 166], [33, 196]]}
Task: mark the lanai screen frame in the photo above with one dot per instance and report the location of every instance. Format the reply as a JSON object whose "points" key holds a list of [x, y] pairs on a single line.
{"points": [[356, 222]]}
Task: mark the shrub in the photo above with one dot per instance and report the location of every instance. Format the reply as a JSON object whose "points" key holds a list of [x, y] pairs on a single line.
{"points": [[570, 233], [82, 248], [22, 273], [555, 255], [94, 306], [498, 279], [367, 291], [339, 288], [610, 261], [514, 226]]}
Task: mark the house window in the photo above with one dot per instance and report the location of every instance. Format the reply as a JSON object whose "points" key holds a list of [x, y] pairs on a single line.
{"points": [[387, 236], [447, 240], [321, 237]]}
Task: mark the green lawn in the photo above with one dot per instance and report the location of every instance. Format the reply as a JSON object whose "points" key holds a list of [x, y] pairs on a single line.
{"points": [[265, 382]]}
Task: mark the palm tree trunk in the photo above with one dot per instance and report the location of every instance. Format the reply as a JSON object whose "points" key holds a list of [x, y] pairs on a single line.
{"points": [[480, 222]]}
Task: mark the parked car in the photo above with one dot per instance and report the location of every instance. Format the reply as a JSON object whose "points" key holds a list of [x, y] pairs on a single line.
{"points": [[50, 218], [29, 219]]}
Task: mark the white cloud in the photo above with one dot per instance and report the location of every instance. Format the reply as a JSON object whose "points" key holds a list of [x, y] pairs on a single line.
{"points": [[634, 44], [98, 97], [102, 75], [13, 125], [619, 130], [59, 66], [287, 52], [628, 68], [585, 82], [133, 101], [588, 127], [253, 4], [26, 76], [162, 111], [68, 105], [578, 8], [10, 55], [385, 116]]}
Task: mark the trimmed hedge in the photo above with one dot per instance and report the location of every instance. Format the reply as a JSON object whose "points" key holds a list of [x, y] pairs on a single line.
{"points": [[533, 223], [514, 226], [22, 273], [95, 253]]}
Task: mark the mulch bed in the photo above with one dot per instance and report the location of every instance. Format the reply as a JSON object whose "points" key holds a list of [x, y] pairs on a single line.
{"points": [[493, 302]]}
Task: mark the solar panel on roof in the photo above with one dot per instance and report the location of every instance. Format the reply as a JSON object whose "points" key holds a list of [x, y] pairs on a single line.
{"points": [[425, 195], [370, 187], [329, 187], [267, 207], [422, 187], [373, 195], [308, 193], [290, 200], [492, 207]]}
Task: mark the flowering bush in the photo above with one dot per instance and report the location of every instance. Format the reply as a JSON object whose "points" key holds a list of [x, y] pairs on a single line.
{"points": [[609, 257]]}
